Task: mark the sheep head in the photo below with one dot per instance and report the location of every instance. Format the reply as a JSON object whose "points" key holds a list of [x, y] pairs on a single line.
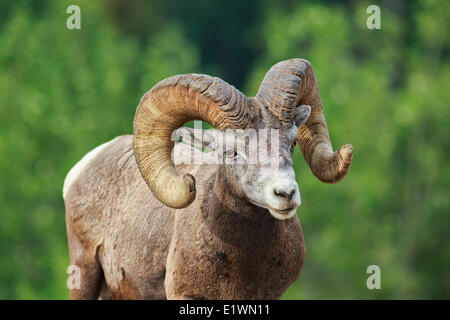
{"points": [[288, 101]]}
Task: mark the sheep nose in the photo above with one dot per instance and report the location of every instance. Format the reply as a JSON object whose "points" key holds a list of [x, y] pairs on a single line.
{"points": [[287, 193]]}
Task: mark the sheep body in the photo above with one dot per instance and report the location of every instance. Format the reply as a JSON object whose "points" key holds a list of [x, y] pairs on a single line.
{"points": [[134, 247]]}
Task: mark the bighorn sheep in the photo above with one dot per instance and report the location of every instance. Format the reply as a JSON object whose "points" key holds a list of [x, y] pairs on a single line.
{"points": [[140, 227]]}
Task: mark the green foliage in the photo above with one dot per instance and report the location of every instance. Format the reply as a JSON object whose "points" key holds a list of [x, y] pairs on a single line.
{"points": [[63, 92], [386, 96]]}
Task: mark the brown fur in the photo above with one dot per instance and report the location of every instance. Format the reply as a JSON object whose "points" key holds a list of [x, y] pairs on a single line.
{"points": [[220, 247]]}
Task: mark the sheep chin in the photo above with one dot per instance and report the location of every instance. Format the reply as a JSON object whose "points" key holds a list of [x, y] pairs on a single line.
{"points": [[281, 215]]}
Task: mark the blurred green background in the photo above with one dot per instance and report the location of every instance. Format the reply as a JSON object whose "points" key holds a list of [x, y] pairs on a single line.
{"points": [[63, 92]]}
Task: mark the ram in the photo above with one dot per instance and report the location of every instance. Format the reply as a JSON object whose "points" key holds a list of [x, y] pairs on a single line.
{"points": [[140, 226]]}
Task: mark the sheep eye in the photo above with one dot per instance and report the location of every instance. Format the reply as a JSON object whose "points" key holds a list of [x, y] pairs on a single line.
{"points": [[230, 153], [293, 146]]}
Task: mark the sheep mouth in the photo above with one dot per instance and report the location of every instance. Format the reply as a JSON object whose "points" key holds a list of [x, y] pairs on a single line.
{"points": [[282, 212]]}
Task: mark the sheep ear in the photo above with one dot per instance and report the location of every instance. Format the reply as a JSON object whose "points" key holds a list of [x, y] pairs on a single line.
{"points": [[301, 115]]}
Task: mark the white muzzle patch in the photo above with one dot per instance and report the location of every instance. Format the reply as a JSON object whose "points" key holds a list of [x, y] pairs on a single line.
{"points": [[282, 196]]}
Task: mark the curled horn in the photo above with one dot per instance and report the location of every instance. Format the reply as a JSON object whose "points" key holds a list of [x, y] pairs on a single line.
{"points": [[289, 84], [166, 107]]}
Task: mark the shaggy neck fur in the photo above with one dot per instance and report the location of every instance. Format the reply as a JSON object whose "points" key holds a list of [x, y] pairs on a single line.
{"points": [[233, 219]]}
